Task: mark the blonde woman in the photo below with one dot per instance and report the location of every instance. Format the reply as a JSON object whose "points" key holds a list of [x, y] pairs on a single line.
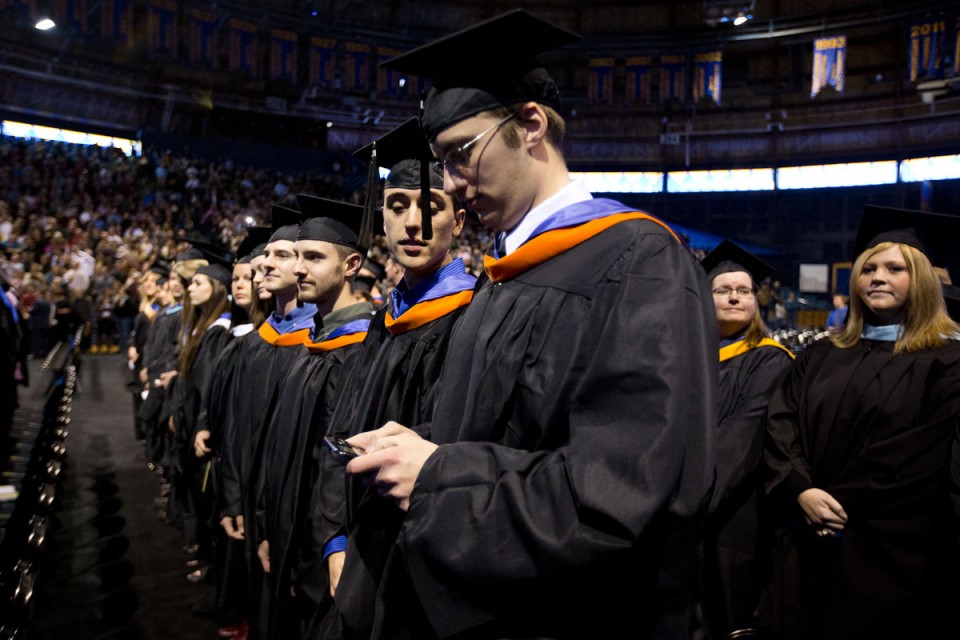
{"points": [[858, 447]]}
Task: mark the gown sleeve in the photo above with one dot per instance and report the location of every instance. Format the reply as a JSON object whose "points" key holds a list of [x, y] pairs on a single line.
{"points": [[741, 434], [787, 469]]}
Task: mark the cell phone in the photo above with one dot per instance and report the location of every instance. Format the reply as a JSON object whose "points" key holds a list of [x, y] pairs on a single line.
{"points": [[340, 450]]}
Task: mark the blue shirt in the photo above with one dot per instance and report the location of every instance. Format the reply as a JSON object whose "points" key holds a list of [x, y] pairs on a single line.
{"points": [[300, 318], [445, 281]]}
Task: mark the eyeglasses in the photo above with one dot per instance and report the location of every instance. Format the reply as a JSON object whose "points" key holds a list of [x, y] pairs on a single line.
{"points": [[743, 292], [459, 158]]}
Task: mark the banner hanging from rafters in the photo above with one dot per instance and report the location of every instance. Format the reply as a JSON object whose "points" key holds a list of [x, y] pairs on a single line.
{"points": [[707, 75], [829, 64]]}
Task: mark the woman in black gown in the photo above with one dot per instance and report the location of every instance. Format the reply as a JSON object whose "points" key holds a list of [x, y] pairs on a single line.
{"points": [[858, 448], [751, 366]]}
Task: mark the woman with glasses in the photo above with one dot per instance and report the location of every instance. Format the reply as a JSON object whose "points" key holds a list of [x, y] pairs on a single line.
{"points": [[751, 366], [858, 448]]}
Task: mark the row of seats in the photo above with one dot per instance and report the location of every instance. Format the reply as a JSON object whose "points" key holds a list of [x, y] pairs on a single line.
{"points": [[28, 487]]}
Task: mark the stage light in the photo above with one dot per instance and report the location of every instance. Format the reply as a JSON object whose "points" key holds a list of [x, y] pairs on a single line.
{"points": [[45, 24], [740, 19]]}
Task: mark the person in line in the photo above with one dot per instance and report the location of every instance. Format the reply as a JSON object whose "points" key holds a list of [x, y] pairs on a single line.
{"points": [[858, 449], [206, 333], [737, 537], [262, 365], [248, 313], [394, 377], [330, 254], [570, 453]]}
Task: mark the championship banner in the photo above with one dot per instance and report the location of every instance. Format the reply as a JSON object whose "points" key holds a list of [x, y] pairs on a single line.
{"points": [[202, 33], [829, 64], [707, 75], [600, 81], [71, 13], [639, 74], [162, 27], [388, 80], [243, 46], [673, 76], [322, 71], [927, 46], [356, 67], [956, 46], [116, 20], [283, 55]]}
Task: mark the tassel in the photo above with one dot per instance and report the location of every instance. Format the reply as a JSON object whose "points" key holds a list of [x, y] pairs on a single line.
{"points": [[372, 201], [426, 211]]}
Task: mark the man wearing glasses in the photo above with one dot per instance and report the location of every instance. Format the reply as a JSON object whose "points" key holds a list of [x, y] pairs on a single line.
{"points": [[556, 490]]}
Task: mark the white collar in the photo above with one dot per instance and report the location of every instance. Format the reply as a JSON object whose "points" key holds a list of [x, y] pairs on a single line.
{"points": [[241, 330], [573, 192]]}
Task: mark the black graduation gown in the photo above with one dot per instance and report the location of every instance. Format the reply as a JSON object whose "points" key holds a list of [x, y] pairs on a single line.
{"points": [[193, 388], [575, 415], [873, 430], [262, 364], [230, 573], [393, 378], [737, 536], [160, 356], [289, 473]]}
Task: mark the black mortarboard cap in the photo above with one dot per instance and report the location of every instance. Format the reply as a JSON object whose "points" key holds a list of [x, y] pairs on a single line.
{"points": [[374, 267], [192, 253], [284, 223], [401, 151], [219, 264], [729, 257], [212, 251], [161, 268], [256, 236], [483, 67], [934, 234], [331, 221], [405, 153], [216, 271]]}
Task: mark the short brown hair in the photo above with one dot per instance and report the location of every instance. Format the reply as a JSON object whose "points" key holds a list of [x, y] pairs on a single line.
{"points": [[556, 126], [926, 324]]}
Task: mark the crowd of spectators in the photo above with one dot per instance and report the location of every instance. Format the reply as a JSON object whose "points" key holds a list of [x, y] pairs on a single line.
{"points": [[79, 224]]}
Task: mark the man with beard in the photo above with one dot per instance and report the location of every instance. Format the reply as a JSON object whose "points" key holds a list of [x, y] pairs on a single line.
{"points": [[329, 256], [262, 363]]}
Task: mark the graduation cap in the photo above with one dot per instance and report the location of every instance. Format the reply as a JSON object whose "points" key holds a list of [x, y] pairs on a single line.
{"points": [[332, 221], [405, 153], [483, 67], [192, 253], [256, 237], [283, 224], [730, 257], [218, 267], [374, 267], [212, 251], [161, 268], [934, 234]]}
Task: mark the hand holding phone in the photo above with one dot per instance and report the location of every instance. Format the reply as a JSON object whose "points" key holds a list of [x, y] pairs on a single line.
{"points": [[341, 451]]}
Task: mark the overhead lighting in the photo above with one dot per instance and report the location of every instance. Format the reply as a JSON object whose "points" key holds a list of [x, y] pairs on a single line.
{"points": [[45, 24], [741, 19]]}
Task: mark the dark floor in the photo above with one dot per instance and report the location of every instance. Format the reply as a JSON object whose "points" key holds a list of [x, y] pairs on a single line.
{"points": [[112, 569]]}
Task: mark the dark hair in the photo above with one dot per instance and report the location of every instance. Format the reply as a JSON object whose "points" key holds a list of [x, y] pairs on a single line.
{"points": [[198, 321]]}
